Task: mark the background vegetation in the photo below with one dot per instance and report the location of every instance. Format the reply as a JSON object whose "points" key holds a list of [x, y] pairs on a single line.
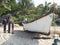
{"points": [[26, 9]]}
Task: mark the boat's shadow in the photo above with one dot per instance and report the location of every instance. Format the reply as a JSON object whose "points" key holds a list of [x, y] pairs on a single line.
{"points": [[21, 38], [25, 34]]}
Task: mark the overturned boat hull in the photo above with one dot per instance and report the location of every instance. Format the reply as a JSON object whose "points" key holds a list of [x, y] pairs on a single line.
{"points": [[41, 25]]}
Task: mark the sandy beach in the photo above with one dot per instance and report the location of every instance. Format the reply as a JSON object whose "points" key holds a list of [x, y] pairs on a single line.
{"points": [[22, 38]]}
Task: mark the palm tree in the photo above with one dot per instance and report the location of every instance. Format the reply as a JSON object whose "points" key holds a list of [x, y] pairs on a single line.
{"points": [[46, 7], [42, 9], [25, 6]]}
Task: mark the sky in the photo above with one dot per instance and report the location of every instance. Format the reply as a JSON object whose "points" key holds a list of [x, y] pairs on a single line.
{"points": [[37, 2]]}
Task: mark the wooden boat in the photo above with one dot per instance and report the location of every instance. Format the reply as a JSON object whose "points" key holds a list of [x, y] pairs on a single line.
{"points": [[41, 25]]}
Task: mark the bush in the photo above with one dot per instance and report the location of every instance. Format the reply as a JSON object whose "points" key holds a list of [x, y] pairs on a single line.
{"points": [[53, 23]]}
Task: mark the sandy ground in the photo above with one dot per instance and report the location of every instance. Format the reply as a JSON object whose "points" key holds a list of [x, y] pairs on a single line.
{"points": [[22, 38]]}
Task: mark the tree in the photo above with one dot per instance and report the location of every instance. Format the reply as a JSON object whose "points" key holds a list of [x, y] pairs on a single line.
{"points": [[42, 9], [25, 6], [46, 7], [39, 9], [4, 5]]}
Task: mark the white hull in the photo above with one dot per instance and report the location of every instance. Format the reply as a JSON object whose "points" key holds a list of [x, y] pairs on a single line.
{"points": [[41, 25]]}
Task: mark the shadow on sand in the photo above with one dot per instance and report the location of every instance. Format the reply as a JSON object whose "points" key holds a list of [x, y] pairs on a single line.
{"points": [[21, 38]]}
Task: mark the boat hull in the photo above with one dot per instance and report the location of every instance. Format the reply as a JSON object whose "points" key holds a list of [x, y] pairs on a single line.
{"points": [[41, 25]]}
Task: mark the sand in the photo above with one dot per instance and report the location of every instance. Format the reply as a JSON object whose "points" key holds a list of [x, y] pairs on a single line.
{"points": [[22, 38]]}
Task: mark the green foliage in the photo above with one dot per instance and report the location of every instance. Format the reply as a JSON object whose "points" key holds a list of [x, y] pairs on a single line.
{"points": [[2, 10], [53, 23], [25, 9]]}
